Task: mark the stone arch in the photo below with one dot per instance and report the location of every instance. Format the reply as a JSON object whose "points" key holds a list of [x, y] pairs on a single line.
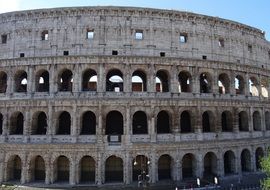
{"points": [[16, 123], [229, 163], [208, 121], [139, 81], [227, 121], [1, 123], [162, 81], [185, 122], [140, 167], [39, 123], [63, 124], [114, 81], [205, 83], [253, 86], [246, 161], [264, 87], [65, 80], [3, 82], [210, 165], [163, 122], [239, 83], [88, 123], [37, 169], [21, 81], [243, 121], [139, 123], [185, 81], [114, 123], [14, 168], [259, 153], [61, 169], [164, 167], [224, 83], [188, 166], [114, 169], [43, 81], [267, 120], [257, 121], [87, 168], [89, 80]]}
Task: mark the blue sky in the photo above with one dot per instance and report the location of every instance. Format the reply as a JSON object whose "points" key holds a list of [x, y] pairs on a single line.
{"points": [[255, 13]]}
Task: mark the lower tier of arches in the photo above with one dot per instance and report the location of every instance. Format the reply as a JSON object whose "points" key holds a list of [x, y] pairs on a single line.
{"points": [[75, 165]]}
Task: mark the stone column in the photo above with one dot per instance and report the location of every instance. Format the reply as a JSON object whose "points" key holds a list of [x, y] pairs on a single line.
{"points": [[2, 169], [195, 81], [24, 172], [99, 131], [232, 84], [247, 85], [99, 169], [250, 123], [30, 80], [76, 79], [200, 167], [127, 126], [153, 168], [235, 120], [127, 79], [215, 87], [26, 127], [253, 159], [10, 82], [53, 80], [127, 171], [48, 171], [101, 79], [238, 168], [51, 124], [174, 80], [151, 83], [72, 171], [152, 127], [220, 164], [75, 124]]}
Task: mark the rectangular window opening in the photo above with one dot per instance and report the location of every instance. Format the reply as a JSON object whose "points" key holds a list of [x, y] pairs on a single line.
{"points": [[65, 53], [162, 54], [45, 35], [204, 57], [4, 39], [139, 35], [183, 38], [114, 52], [90, 34], [21, 54], [221, 42], [250, 48]]}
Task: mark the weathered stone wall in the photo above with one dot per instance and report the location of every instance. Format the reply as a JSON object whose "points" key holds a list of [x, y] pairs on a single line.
{"points": [[245, 53]]}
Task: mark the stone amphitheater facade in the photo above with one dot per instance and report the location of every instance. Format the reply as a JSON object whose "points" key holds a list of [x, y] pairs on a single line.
{"points": [[99, 95]]}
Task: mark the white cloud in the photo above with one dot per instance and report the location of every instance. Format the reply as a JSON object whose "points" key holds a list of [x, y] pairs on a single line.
{"points": [[9, 5]]}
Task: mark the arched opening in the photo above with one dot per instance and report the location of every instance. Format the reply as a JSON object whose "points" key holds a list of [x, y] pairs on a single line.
{"points": [[42, 81], [162, 81], [253, 86], [188, 166], [245, 161], [16, 124], [39, 124], [88, 126], [226, 121], [164, 167], [140, 167], [163, 122], [3, 82], [89, 80], [62, 169], [114, 123], [257, 121], [114, 169], [139, 123], [259, 154], [37, 167], [205, 83], [267, 120], [139, 82], [87, 170], [114, 81], [65, 81], [239, 85], [210, 165], [185, 122], [208, 122], [1, 124], [243, 121], [64, 124], [184, 79], [20, 81], [223, 84], [229, 163], [14, 168]]}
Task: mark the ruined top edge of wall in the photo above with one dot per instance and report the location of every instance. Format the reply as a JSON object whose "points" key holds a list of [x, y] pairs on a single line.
{"points": [[127, 11]]}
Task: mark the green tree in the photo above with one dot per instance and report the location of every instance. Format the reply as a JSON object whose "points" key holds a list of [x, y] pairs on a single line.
{"points": [[265, 163]]}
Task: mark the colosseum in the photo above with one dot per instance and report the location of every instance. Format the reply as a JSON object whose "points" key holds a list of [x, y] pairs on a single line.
{"points": [[98, 95]]}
